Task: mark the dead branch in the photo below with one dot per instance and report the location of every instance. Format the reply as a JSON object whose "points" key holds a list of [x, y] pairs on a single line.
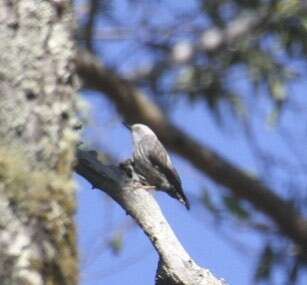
{"points": [[175, 265]]}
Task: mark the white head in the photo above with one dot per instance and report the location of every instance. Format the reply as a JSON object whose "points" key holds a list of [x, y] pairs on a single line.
{"points": [[139, 131]]}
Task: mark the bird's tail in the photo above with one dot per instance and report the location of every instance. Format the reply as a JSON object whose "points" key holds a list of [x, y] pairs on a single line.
{"points": [[180, 196], [183, 200]]}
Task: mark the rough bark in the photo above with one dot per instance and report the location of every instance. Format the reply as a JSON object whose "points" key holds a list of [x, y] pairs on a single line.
{"points": [[136, 107], [176, 267], [37, 118]]}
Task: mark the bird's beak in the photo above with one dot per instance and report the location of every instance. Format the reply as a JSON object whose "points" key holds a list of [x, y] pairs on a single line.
{"points": [[127, 125]]}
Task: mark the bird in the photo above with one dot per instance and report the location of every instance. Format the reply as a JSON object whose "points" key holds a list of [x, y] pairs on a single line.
{"points": [[152, 163]]}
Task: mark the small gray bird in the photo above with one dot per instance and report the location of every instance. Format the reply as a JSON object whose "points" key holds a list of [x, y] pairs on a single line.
{"points": [[151, 161]]}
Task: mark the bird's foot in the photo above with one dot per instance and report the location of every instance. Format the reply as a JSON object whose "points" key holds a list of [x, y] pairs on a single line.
{"points": [[127, 167]]}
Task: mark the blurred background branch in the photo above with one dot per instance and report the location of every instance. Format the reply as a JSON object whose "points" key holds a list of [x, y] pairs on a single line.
{"points": [[134, 107]]}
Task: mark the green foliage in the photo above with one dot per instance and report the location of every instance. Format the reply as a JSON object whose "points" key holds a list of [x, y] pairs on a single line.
{"points": [[116, 243], [210, 205], [265, 264], [235, 207]]}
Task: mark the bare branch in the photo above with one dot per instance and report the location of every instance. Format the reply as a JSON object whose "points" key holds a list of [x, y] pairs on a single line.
{"points": [[214, 38], [176, 264], [246, 23]]}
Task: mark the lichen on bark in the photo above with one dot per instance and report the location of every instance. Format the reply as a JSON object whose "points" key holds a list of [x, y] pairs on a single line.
{"points": [[38, 115]]}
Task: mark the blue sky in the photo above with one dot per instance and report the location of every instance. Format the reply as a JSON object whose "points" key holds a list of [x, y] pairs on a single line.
{"points": [[229, 250], [194, 228], [230, 254]]}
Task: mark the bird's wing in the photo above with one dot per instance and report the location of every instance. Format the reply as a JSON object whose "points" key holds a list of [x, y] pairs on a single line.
{"points": [[158, 157]]}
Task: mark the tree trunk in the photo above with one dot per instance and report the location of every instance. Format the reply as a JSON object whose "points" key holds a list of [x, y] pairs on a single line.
{"points": [[37, 118]]}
